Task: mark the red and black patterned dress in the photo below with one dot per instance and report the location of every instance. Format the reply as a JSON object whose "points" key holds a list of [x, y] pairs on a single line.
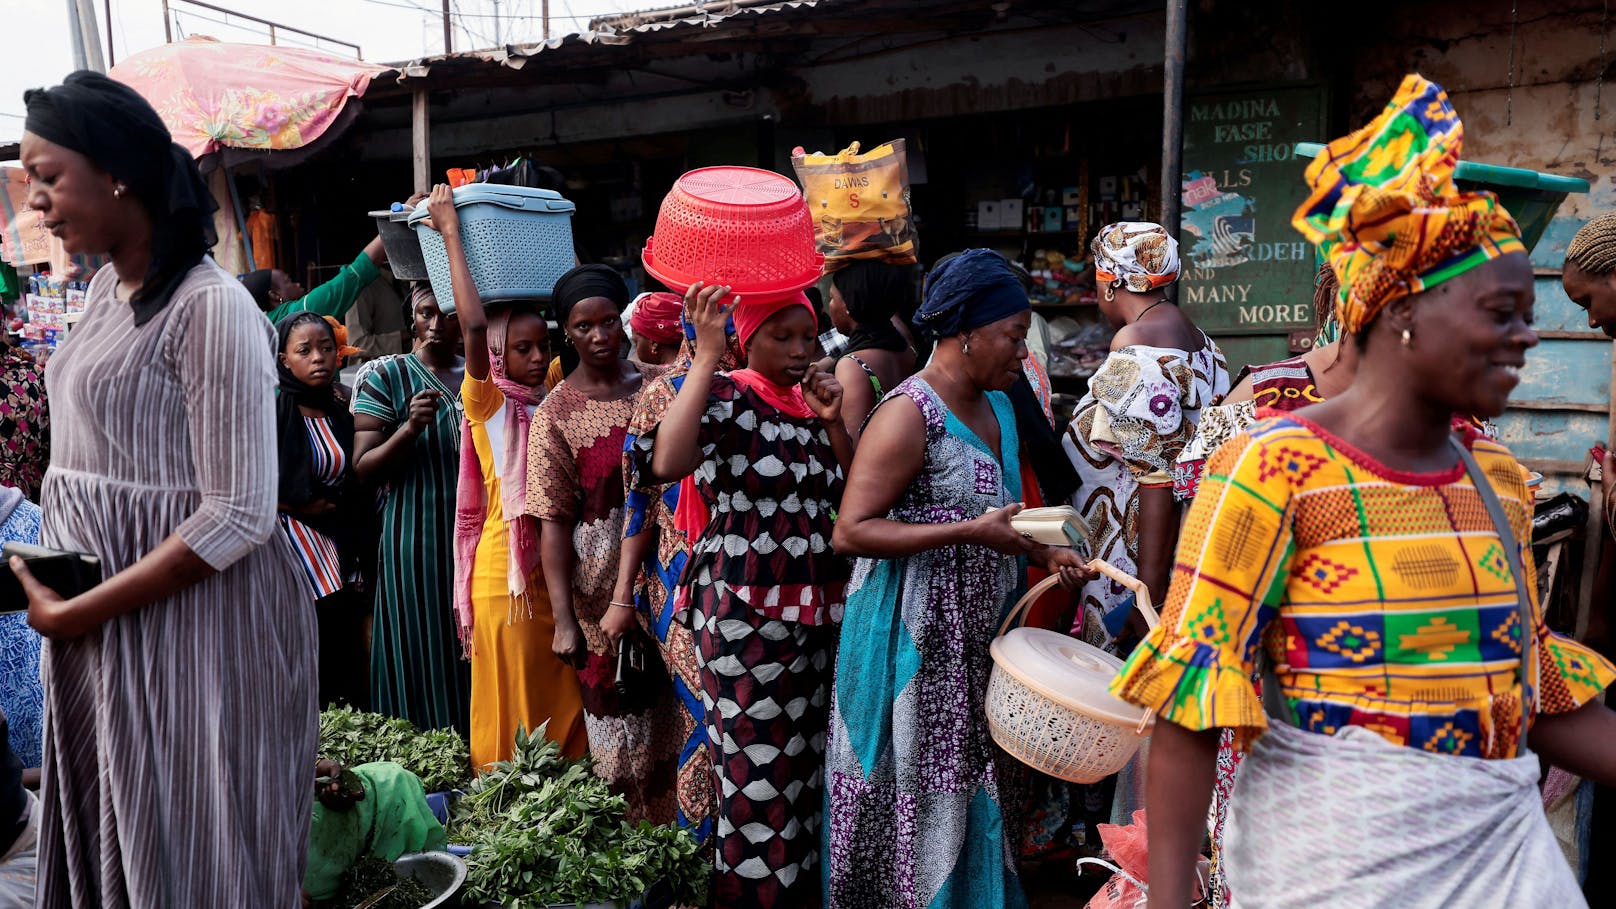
{"points": [[575, 478], [24, 421], [763, 593]]}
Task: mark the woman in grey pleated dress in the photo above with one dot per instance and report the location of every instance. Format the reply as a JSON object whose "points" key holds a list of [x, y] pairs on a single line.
{"points": [[180, 727]]}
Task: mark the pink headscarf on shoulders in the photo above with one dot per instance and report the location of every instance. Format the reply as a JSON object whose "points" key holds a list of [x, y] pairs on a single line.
{"points": [[471, 505]]}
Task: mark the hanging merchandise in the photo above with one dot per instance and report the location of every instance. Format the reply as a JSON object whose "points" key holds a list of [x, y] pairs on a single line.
{"points": [[860, 203]]}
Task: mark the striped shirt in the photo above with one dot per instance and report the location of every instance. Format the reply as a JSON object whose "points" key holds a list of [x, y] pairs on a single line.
{"points": [[315, 550]]}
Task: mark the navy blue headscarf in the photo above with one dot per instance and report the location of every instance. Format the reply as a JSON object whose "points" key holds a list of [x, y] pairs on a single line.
{"points": [[969, 290]]}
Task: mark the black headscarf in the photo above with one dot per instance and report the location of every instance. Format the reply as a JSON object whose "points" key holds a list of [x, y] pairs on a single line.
{"points": [[298, 484], [578, 285], [112, 125], [874, 292], [259, 283]]}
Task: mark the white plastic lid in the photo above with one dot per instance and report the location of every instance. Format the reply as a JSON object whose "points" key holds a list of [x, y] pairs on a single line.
{"points": [[1065, 670]]}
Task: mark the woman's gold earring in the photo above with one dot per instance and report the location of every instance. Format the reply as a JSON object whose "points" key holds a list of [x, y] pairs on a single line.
{"points": [[1408, 337]]}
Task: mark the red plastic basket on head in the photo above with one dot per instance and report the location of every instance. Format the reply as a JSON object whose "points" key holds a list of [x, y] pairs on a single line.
{"points": [[740, 226]]}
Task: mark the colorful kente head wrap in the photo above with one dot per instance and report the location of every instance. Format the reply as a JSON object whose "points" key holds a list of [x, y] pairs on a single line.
{"points": [[1386, 214], [1141, 255]]}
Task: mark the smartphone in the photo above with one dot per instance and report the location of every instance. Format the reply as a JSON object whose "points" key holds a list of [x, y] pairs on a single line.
{"points": [[67, 573]]}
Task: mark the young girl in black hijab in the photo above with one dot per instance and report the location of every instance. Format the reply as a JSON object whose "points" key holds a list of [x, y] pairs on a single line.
{"points": [[318, 512]]}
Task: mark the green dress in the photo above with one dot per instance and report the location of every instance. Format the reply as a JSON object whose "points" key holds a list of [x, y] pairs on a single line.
{"points": [[416, 670]]}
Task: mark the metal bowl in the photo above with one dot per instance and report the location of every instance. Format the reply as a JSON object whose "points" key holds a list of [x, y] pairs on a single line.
{"points": [[442, 873]]}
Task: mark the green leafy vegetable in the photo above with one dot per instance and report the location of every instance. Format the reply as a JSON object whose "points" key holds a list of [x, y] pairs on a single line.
{"points": [[368, 878], [439, 757], [545, 830]]}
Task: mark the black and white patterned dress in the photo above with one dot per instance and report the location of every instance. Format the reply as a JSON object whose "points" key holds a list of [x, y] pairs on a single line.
{"points": [[764, 593]]}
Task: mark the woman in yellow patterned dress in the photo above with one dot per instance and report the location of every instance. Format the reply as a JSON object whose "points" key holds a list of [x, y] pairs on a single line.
{"points": [[1371, 557]]}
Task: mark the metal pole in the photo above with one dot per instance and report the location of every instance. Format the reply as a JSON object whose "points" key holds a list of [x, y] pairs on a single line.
{"points": [[1172, 180], [168, 24], [90, 35], [272, 36], [545, 12], [448, 33], [112, 56], [76, 36], [497, 41]]}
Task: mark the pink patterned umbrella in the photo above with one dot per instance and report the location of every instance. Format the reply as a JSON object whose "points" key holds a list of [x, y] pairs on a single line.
{"points": [[215, 96]]}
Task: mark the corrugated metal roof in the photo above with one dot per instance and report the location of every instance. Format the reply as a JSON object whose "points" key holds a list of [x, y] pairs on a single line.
{"points": [[619, 30]]}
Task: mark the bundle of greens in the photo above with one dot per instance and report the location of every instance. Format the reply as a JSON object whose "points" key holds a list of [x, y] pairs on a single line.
{"points": [[439, 757], [545, 830]]}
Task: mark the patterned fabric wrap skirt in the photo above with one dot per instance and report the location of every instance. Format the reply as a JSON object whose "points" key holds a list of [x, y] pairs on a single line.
{"points": [[1352, 820], [766, 689]]}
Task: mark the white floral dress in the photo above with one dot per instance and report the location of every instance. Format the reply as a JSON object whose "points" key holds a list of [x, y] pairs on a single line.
{"points": [[1141, 409]]}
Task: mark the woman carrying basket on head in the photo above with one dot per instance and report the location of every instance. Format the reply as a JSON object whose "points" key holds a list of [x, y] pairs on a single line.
{"points": [[1375, 559], [916, 790], [762, 588]]}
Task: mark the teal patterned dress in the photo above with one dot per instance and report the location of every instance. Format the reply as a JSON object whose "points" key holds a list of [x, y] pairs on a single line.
{"points": [[921, 805], [416, 670]]}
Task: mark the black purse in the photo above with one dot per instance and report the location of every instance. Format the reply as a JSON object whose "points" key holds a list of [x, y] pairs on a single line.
{"points": [[640, 671]]}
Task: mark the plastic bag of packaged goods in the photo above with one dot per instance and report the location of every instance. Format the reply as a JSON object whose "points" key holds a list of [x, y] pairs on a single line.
{"points": [[860, 203]]}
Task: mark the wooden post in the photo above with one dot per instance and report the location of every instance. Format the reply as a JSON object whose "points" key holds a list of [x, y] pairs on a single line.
{"points": [[421, 144]]}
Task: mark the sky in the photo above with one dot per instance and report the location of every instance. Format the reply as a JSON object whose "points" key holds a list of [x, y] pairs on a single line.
{"points": [[40, 53]]}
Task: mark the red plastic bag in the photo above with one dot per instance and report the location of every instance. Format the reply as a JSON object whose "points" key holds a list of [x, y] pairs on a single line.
{"points": [[1128, 848]]}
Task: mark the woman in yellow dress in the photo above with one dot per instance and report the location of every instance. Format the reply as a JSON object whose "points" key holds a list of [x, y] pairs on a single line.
{"points": [[500, 599]]}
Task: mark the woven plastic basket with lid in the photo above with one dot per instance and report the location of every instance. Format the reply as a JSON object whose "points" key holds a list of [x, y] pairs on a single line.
{"points": [[740, 226], [1049, 700]]}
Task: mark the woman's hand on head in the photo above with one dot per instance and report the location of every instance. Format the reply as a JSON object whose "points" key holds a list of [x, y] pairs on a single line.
{"points": [[440, 208], [704, 307], [993, 530], [823, 393]]}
